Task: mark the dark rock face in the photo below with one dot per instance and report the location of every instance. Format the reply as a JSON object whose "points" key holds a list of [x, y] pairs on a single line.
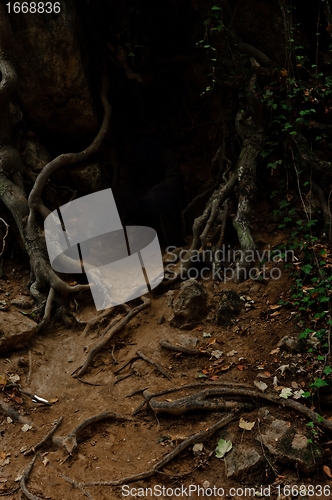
{"points": [[51, 74], [229, 307], [15, 330], [190, 306]]}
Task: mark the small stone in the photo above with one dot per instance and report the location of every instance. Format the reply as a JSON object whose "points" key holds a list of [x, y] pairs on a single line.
{"points": [[161, 320], [15, 330], [240, 461]]}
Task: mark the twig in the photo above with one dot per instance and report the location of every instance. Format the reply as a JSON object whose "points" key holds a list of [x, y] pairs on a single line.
{"points": [[109, 332], [90, 383], [113, 357], [160, 368], [199, 436], [70, 441], [136, 392], [25, 477], [134, 358], [179, 348], [33, 449], [123, 377]]}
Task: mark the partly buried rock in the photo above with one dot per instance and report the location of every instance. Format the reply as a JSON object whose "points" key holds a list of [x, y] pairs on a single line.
{"points": [[15, 330], [190, 306], [288, 445], [229, 306], [291, 344], [242, 460]]}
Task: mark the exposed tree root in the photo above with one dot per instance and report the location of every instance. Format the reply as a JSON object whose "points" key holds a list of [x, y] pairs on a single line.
{"points": [[176, 389], [248, 125], [108, 333], [35, 447], [70, 441], [72, 482], [179, 348], [25, 477], [199, 436], [12, 194], [99, 318], [197, 401], [241, 391], [160, 368]]}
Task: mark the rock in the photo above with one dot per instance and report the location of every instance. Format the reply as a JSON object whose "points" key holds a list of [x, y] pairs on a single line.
{"points": [[229, 306], [288, 445], [22, 302], [87, 176], [190, 306], [186, 341], [161, 320], [52, 81], [240, 461], [15, 330], [291, 344]]}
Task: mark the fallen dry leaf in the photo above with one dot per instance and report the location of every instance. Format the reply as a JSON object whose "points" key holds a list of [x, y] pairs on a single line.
{"points": [[243, 424], [327, 471]]}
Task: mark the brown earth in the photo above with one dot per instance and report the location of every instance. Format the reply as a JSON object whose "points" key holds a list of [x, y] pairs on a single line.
{"points": [[111, 450]]}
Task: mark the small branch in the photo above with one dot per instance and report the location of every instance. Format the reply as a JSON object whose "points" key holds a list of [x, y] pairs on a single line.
{"points": [[199, 436], [160, 368], [25, 477], [179, 348], [124, 377], [109, 332], [33, 449]]}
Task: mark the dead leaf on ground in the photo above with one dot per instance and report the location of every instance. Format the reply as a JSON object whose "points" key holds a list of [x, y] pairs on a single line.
{"points": [[327, 471], [243, 424]]}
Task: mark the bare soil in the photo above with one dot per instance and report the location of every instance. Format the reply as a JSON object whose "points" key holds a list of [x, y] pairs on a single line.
{"points": [[111, 450]]}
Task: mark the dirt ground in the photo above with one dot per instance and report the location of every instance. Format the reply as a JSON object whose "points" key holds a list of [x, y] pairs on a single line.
{"points": [[110, 449]]}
